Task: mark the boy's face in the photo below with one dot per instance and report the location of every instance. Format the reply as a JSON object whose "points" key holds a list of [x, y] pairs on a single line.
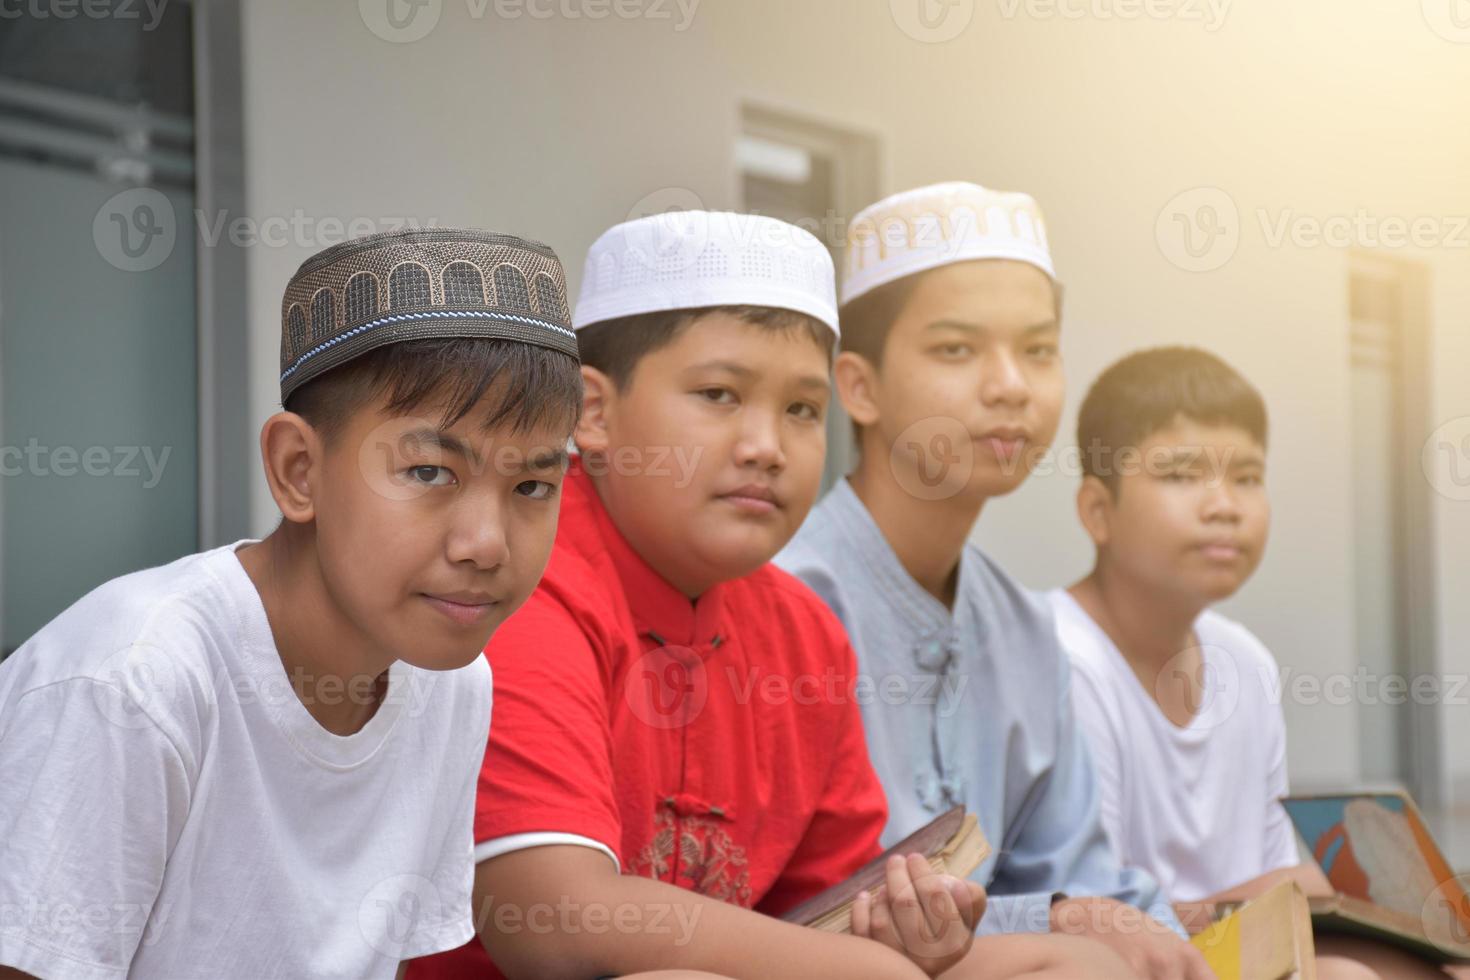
{"points": [[430, 537], [1190, 514], [971, 372], [711, 457]]}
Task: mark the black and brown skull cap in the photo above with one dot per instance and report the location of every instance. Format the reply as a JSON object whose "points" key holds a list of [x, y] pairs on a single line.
{"points": [[409, 285]]}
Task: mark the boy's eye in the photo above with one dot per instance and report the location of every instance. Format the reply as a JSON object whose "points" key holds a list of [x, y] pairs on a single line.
{"points": [[955, 350], [806, 411], [1178, 476], [433, 476], [536, 489], [1042, 351], [1252, 480], [720, 396]]}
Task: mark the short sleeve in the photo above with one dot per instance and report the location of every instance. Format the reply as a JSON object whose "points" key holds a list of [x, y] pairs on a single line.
{"points": [[93, 799], [548, 765], [844, 831]]}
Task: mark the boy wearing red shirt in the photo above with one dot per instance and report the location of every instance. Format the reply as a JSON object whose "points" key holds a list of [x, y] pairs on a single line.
{"points": [[670, 708]]}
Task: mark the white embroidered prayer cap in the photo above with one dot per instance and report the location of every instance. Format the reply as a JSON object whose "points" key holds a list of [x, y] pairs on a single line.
{"points": [[686, 259], [938, 225]]}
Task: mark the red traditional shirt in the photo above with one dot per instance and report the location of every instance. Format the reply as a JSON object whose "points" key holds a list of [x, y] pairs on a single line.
{"points": [[713, 744]]}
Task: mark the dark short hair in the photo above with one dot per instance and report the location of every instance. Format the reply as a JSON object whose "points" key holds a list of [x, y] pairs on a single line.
{"points": [[615, 347], [527, 386], [1150, 390]]}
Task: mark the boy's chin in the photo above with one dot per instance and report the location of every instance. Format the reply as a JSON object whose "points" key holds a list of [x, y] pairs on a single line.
{"points": [[450, 658], [737, 554]]}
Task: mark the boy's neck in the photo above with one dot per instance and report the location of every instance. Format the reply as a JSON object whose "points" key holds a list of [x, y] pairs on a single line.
{"points": [[927, 536], [339, 686], [1152, 628]]}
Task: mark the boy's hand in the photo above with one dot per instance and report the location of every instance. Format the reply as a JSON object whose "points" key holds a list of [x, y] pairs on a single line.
{"points": [[1150, 948], [927, 916]]}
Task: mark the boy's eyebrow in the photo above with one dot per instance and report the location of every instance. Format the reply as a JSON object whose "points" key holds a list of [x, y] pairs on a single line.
{"points": [[744, 372], [445, 441], [975, 328], [548, 459], [544, 459]]}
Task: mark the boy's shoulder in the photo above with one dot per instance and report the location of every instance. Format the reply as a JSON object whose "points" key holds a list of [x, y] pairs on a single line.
{"points": [[1215, 629], [1085, 644], [152, 646], [182, 610]]}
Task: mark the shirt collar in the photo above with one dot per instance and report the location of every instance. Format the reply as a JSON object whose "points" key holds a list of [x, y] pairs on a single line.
{"points": [[920, 610], [659, 609]]}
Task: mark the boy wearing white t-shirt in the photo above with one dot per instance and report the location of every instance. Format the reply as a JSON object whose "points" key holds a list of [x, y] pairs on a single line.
{"points": [[260, 761], [1178, 702], [1188, 741]]}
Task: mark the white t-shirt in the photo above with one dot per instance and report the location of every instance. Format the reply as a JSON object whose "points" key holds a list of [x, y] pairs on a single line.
{"points": [[169, 808], [1197, 807]]}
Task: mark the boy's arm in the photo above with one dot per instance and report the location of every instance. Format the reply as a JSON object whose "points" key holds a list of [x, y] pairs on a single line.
{"points": [[563, 912], [93, 798]]}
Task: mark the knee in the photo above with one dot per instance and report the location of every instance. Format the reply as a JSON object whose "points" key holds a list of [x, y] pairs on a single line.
{"points": [[1341, 968]]}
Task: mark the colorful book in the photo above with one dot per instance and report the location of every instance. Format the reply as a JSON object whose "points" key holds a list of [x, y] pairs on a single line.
{"points": [[953, 843], [1267, 938], [1392, 882]]}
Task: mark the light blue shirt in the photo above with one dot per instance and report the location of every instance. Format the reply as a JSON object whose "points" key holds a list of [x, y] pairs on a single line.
{"points": [[972, 707]]}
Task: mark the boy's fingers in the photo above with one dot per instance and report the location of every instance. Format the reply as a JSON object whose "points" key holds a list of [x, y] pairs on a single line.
{"points": [[903, 901], [882, 927], [971, 898], [862, 914]]}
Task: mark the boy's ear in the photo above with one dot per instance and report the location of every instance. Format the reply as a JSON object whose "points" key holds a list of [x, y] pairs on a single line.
{"points": [[857, 386], [292, 452], [1094, 508], [599, 401]]}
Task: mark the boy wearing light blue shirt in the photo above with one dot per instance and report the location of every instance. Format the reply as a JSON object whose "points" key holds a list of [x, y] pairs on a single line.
{"points": [[951, 373]]}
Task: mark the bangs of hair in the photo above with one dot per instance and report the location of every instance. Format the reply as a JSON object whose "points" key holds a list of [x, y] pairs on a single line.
{"points": [[521, 386], [1150, 390], [615, 347]]}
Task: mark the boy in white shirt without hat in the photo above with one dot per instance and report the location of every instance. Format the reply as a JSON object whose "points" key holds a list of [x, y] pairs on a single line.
{"points": [[1179, 703]]}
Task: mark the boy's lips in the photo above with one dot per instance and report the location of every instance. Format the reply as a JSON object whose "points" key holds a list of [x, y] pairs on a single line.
{"points": [[753, 498], [1006, 442], [464, 608], [1221, 550]]}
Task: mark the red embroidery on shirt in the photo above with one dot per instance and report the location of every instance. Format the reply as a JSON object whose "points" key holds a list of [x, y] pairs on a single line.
{"points": [[709, 861]]}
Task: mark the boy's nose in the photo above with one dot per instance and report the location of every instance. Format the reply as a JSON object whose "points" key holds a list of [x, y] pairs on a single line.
{"points": [[760, 442], [1003, 381], [477, 535]]}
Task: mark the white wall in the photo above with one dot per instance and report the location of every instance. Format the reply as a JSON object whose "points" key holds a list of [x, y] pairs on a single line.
{"points": [[557, 128]]}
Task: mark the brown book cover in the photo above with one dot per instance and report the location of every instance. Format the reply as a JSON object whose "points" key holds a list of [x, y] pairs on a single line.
{"points": [[953, 843]]}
